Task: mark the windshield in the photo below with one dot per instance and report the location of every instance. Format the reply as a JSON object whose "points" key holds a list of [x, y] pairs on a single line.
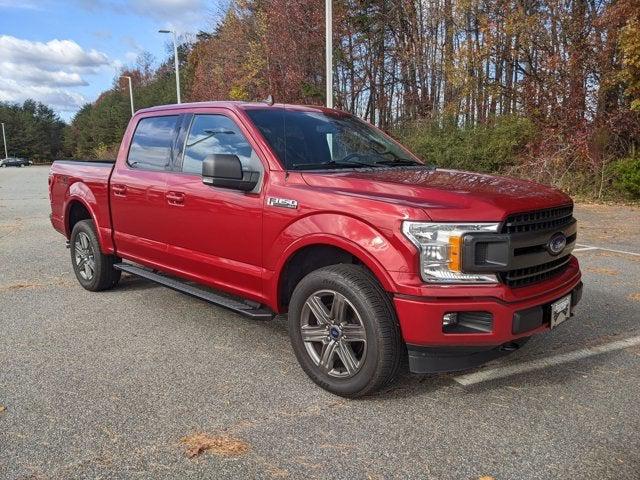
{"points": [[313, 140]]}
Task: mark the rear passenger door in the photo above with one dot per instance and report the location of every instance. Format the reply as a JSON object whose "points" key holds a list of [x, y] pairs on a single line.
{"points": [[138, 189], [217, 231]]}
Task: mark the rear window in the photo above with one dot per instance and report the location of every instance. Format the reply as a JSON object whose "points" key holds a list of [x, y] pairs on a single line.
{"points": [[151, 144]]}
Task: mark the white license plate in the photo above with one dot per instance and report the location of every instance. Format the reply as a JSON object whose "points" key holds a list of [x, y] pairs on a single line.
{"points": [[560, 311]]}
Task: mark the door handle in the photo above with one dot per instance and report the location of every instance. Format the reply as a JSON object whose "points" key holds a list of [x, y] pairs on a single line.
{"points": [[120, 190], [175, 198]]}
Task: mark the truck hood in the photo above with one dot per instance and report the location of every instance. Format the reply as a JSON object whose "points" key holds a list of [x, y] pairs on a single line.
{"points": [[445, 195]]}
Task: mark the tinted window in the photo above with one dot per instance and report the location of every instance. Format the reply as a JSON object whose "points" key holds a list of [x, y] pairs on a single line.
{"points": [[210, 134], [314, 139], [151, 143]]}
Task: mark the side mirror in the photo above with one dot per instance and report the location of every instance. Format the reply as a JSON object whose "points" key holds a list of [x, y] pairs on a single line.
{"points": [[225, 171]]}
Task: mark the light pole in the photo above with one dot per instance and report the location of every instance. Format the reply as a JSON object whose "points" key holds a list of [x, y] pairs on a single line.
{"points": [[4, 140], [130, 93], [175, 59], [329, 51]]}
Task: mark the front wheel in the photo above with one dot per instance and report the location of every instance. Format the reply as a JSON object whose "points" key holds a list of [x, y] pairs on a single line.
{"points": [[94, 270], [344, 331]]}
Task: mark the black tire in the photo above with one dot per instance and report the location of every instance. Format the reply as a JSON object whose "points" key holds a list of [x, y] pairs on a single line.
{"points": [[382, 354], [103, 276]]}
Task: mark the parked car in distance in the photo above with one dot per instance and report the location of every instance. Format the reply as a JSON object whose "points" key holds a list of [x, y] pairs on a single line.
{"points": [[375, 256], [15, 162]]}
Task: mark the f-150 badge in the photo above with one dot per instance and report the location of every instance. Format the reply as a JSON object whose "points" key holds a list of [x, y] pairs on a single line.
{"points": [[282, 202]]}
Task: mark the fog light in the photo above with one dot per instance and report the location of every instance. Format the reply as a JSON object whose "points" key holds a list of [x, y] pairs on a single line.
{"points": [[449, 319], [467, 322]]}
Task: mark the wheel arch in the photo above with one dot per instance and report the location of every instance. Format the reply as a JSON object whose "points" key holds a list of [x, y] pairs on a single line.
{"points": [[364, 242], [81, 204], [76, 211], [316, 251]]}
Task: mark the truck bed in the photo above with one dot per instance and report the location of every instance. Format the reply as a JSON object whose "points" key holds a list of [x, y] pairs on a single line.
{"points": [[86, 161]]}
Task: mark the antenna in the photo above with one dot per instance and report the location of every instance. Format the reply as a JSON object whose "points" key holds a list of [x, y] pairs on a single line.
{"points": [[268, 100]]}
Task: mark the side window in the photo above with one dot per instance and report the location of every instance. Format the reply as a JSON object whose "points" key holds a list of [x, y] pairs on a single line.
{"points": [[211, 134], [151, 143]]}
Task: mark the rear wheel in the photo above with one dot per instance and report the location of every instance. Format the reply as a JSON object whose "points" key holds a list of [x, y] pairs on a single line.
{"points": [[94, 270], [344, 331]]}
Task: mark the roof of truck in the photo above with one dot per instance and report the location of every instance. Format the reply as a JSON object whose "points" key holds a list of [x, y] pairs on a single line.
{"points": [[235, 105]]}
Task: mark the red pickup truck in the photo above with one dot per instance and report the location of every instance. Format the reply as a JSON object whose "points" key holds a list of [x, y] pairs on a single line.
{"points": [[375, 256]]}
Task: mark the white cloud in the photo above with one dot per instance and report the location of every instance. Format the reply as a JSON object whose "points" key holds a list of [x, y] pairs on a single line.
{"points": [[53, 54], [60, 99], [30, 74], [23, 5], [165, 10], [132, 43], [46, 71], [181, 15], [131, 56]]}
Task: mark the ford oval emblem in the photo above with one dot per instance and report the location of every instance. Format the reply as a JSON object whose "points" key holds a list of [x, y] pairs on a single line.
{"points": [[556, 244]]}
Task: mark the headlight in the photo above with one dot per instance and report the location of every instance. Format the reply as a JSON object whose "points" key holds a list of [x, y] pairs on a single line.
{"points": [[439, 245]]}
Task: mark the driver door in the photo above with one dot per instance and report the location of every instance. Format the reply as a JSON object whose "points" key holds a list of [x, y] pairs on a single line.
{"points": [[216, 231]]}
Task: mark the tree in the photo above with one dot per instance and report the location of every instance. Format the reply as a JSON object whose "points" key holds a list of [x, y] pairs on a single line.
{"points": [[569, 71], [33, 130]]}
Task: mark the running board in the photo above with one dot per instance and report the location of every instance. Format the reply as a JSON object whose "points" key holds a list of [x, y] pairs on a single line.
{"points": [[251, 309]]}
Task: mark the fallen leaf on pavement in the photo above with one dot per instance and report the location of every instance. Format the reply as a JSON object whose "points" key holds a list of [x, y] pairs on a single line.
{"points": [[17, 286], [198, 443]]}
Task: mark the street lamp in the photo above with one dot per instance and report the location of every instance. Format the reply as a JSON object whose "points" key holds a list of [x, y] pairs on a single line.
{"points": [[4, 140], [175, 59], [130, 92], [329, 52]]}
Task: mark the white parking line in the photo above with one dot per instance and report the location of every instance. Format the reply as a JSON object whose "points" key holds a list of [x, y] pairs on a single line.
{"points": [[584, 248], [502, 372]]}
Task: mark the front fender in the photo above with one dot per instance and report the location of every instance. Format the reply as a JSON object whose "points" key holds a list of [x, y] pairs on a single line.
{"points": [[372, 247]]}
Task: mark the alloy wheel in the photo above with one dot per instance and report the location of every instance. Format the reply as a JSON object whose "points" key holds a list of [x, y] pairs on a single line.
{"points": [[333, 333], [84, 256]]}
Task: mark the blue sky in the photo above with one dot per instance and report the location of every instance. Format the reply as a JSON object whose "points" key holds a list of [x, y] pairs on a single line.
{"points": [[64, 53]]}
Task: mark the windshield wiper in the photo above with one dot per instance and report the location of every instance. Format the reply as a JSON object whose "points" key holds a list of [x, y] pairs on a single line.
{"points": [[399, 161], [332, 164]]}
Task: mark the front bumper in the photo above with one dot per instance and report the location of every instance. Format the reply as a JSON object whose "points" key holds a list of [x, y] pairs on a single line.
{"points": [[439, 359], [431, 349]]}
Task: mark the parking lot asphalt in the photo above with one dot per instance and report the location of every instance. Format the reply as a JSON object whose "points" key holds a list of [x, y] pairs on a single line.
{"points": [[105, 385]]}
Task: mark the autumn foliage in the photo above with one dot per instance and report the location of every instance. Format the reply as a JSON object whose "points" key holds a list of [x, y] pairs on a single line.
{"points": [[546, 89]]}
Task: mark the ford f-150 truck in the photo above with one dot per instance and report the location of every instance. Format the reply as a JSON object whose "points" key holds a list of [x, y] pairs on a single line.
{"points": [[375, 256]]}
